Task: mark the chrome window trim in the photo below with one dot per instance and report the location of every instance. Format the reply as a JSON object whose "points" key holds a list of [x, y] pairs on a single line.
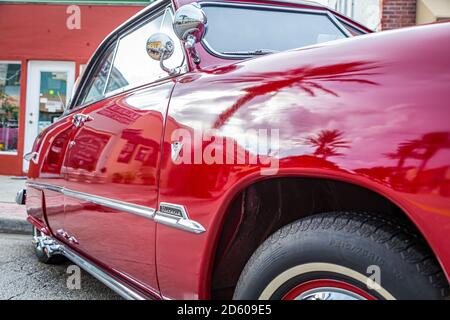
{"points": [[182, 223], [123, 30], [88, 77], [163, 75], [323, 11], [116, 45], [353, 25], [103, 45]]}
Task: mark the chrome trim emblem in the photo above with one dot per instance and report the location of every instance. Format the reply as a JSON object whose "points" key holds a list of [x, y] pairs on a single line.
{"points": [[175, 215], [172, 210]]}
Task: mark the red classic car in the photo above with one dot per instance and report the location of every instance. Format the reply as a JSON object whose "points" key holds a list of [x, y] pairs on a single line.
{"points": [[252, 150]]}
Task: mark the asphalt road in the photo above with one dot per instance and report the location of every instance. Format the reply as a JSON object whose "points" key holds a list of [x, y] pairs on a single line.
{"points": [[23, 277]]}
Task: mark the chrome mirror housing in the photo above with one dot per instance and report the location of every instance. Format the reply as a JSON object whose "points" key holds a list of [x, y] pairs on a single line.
{"points": [[160, 47], [190, 25]]}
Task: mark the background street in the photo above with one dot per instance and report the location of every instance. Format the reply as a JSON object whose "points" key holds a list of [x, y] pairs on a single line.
{"points": [[22, 276]]}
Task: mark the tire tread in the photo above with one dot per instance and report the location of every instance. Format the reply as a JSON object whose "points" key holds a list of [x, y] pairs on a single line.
{"points": [[392, 233]]}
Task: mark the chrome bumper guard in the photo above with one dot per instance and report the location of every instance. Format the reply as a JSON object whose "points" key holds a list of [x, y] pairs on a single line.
{"points": [[21, 196]]}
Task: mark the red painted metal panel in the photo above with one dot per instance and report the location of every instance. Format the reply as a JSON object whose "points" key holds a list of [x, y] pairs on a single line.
{"points": [[384, 94], [116, 155]]}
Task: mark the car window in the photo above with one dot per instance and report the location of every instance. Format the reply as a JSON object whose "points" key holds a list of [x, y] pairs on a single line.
{"points": [[353, 30], [132, 65], [242, 29], [96, 85]]}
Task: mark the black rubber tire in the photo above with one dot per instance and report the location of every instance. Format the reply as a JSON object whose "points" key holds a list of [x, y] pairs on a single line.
{"points": [[42, 257], [351, 241]]}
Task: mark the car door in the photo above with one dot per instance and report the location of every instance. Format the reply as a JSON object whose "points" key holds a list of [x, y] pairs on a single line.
{"points": [[111, 167], [45, 179], [46, 136]]}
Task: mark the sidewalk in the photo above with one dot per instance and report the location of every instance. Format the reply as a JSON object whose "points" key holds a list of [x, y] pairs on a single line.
{"points": [[12, 216]]}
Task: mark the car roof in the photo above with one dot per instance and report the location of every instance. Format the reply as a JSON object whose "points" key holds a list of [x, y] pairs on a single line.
{"points": [[142, 14]]}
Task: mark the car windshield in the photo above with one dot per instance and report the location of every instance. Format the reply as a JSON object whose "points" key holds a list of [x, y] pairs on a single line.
{"points": [[240, 30]]}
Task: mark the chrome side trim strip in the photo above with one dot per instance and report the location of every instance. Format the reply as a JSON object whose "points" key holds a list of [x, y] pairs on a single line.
{"points": [[121, 289], [179, 223], [132, 208], [44, 186], [183, 222], [135, 209]]}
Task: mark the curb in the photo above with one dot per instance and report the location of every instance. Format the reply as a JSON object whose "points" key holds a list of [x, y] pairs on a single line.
{"points": [[15, 226], [13, 219]]}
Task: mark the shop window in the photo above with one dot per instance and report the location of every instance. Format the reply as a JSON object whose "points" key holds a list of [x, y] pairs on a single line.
{"points": [[9, 106]]}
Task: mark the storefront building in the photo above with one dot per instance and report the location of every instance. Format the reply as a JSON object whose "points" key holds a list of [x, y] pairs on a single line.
{"points": [[43, 48]]}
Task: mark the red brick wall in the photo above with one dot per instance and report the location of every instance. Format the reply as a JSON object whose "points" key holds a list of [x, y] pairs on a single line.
{"points": [[397, 14]]}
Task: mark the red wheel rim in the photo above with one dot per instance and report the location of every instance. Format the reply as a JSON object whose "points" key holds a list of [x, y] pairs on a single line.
{"points": [[327, 285]]}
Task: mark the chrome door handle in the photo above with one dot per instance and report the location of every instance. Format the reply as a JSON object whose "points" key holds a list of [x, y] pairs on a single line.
{"points": [[79, 119], [32, 156]]}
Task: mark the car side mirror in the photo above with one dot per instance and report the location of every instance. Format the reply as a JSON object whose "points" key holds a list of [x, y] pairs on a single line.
{"points": [[190, 25], [160, 47]]}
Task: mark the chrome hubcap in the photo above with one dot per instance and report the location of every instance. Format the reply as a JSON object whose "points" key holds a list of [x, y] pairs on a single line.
{"points": [[329, 293]]}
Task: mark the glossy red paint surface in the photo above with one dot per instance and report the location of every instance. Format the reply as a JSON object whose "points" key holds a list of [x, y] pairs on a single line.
{"points": [[115, 156], [120, 150], [395, 126], [371, 111]]}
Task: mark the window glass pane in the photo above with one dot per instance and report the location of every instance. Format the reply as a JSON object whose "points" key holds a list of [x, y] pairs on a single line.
{"points": [[132, 63], [9, 105], [242, 29], [52, 94], [97, 83]]}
